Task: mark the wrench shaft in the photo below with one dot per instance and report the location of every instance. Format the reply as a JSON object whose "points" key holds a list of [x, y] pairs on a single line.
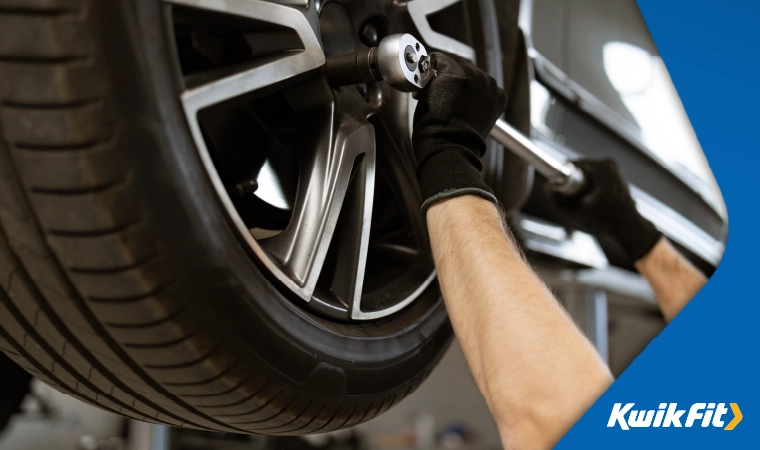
{"points": [[563, 175]]}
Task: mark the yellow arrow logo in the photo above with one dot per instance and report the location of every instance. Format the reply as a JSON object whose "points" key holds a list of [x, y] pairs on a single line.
{"points": [[737, 417]]}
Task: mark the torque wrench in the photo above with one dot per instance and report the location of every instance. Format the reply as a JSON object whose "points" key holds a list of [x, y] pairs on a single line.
{"points": [[402, 61]]}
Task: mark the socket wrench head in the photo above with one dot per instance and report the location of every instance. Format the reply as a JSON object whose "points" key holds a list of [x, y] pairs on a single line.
{"points": [[403, 62]]}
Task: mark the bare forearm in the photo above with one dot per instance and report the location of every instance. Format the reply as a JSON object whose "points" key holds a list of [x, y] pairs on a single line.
{"points": [[536, 370], [674, 280]]}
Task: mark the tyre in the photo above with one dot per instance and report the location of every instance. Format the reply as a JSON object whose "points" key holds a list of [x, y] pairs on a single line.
{"points": [[196, 229]]}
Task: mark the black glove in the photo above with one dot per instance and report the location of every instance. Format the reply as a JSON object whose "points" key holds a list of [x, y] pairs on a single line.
{"points": [[606, 208], [456, 111]]}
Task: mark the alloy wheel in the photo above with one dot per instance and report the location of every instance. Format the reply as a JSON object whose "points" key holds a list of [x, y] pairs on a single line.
{"points": [[318, 181]]}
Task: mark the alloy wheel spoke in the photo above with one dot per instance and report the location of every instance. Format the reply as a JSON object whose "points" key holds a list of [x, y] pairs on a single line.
{"points": [[350, 242], [399, 163], [263, 71], [340, 147], [419, 10]]}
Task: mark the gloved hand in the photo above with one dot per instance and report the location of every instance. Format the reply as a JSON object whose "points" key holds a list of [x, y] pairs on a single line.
{"points": [[456, 111], [606, 208]]}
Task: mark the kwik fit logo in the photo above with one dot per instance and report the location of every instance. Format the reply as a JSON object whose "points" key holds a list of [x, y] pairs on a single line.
{"points": [[668, 415]]}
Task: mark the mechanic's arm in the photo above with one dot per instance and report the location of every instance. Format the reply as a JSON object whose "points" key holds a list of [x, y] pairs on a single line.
{"points": [[606, 208], [674, 280], [536, 370]]}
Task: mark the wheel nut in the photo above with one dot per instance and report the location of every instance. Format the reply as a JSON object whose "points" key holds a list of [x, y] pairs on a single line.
{"points": [[250, 186], [369, 34], [424, 65], [246, 188]]}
